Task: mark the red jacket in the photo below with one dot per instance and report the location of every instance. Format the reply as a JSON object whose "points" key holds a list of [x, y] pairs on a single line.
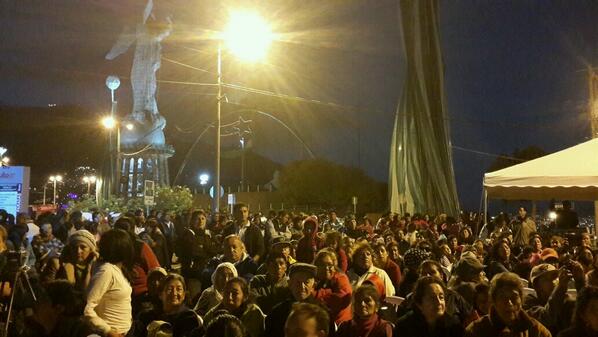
{"points": [[343, 261], [394, 272], [148, 262], [336, 295]]}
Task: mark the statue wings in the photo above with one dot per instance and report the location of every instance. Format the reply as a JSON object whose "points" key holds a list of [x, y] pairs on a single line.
{"points": [[128, 35], [125, 40]]}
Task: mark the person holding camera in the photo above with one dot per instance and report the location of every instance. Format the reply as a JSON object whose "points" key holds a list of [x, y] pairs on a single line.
{"points": [[552, 305]]}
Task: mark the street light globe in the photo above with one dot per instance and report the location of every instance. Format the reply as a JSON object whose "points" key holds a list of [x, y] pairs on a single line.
{"points": [[108, 122], [248, 35], [112, 82], [86, 179], [92, 179], [204, 178], [129, 126], [59, 178]]}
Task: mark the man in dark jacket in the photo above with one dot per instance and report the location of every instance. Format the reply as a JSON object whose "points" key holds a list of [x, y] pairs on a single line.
{"points": [[302, 281], [234, 252], [250, 233]]}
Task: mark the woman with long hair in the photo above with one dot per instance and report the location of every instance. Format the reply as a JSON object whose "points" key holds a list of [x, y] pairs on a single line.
{"points": [[499, 260], [109, 293], [428, 316]]}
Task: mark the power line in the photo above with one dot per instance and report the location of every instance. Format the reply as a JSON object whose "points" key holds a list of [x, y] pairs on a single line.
{"points": [[487, 153]]}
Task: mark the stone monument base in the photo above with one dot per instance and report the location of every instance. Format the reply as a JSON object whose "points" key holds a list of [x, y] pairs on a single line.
{"points": [[137, 163]]}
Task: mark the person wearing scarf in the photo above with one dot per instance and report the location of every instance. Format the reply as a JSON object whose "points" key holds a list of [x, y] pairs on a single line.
{"points": [[212, 296], [365, 322]]}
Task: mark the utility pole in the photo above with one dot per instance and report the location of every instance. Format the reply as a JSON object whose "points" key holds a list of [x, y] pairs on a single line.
{"points": [[593, 109]]}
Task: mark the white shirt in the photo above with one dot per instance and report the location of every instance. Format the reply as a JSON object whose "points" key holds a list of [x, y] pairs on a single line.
{"points": [[243, 229], [139, 230], [357, 280], [32, 231], [109, 299]]}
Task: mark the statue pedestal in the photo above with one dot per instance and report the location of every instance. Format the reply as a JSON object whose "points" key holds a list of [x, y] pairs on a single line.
{"points": [[139, 162]]}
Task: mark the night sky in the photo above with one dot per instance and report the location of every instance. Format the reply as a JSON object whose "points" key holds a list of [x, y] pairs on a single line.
{"points": [[515, 73]]}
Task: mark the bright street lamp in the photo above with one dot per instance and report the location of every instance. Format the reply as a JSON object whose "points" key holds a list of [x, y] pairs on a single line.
{"points": [[89, 180], [55, 179], [108, 122], [248, 36]]}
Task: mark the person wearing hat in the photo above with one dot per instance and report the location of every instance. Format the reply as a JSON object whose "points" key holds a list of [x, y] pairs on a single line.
{"points": [[412, 259], [551, 305], [283, 246], [302, 283], [468, 269], [78, 259]]}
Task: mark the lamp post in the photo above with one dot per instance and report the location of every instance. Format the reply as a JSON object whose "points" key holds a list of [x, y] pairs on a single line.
{"points": [[248, 36], [55, 179], [89, 180], [112, 83], [110, 123]]}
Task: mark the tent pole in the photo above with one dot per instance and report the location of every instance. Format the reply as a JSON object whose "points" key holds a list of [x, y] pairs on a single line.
{"points": [[485, 206]]}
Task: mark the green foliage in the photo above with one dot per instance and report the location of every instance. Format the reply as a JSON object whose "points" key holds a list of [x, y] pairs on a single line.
{"points": [[177, 198], [526, 154], [320, 182], [115, 204], [83, 205]]}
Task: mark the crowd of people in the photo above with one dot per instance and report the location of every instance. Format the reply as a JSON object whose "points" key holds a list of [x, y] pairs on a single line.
{"points": [[295, 275]]}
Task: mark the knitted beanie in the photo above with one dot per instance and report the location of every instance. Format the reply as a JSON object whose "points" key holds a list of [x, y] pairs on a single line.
{"points": [[85, 237]]}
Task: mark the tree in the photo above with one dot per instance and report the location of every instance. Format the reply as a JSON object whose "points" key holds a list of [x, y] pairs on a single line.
{"points": [[518, 156], [323, 183], [177, 198]]}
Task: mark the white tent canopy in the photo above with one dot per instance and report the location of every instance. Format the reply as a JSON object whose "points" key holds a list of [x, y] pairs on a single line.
{"points": [[570, 174]]}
